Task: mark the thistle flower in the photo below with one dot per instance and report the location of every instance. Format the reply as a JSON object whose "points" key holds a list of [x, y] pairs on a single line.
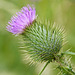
{"points": [[42, 42], [21, 20]]}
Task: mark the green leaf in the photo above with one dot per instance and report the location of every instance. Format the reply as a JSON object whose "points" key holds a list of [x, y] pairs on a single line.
{"points": [[71, 53]]}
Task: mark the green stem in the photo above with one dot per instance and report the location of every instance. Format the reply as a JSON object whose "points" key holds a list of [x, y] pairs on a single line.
{"points": [[44, 67]]}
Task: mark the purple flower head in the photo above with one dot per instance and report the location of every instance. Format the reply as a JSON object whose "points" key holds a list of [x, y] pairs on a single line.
{"points": [[21, 20]]}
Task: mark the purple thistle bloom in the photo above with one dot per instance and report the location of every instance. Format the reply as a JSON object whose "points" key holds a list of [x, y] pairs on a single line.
{"points": [[21, 20]]}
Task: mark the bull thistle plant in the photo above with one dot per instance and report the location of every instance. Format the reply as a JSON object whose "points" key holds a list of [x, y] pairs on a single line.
{"points": [[43, 42]]}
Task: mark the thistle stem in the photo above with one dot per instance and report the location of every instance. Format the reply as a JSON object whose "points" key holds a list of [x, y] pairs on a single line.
{"points": [[44, 67]]}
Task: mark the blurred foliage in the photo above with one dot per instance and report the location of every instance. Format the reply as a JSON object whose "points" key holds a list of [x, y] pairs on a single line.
{"points": [[60, 11]]}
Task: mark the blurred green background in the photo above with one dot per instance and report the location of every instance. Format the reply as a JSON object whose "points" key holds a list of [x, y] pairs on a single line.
{"points": [[60, 11]]}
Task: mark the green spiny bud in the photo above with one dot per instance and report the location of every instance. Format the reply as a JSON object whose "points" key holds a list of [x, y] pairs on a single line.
{"points": [[43, 42]]}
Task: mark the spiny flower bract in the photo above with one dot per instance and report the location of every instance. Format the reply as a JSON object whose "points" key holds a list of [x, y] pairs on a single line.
{"points": [[21, 20], [43, 42]]}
